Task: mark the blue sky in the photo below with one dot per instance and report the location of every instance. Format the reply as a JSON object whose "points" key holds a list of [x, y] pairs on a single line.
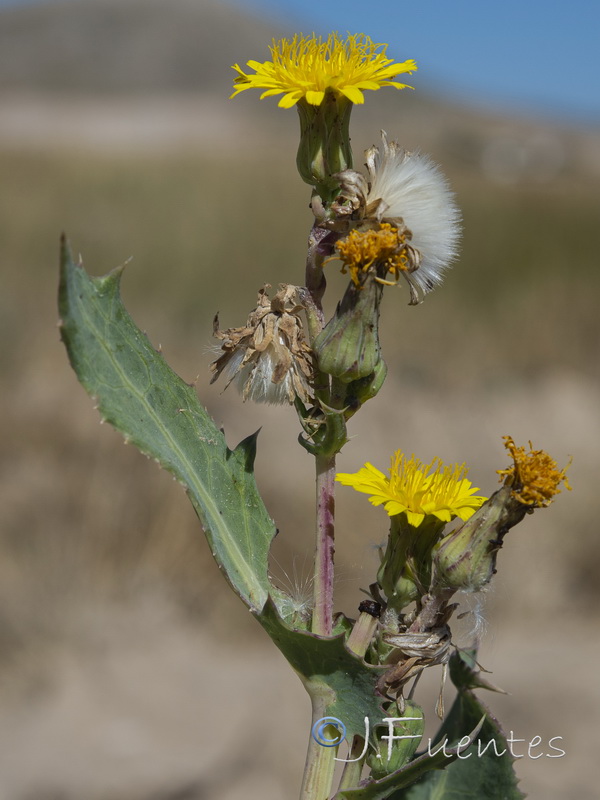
{"points": [[534, 56]]}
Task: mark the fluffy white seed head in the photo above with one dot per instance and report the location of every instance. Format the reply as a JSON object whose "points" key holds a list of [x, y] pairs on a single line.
{"points": [[411, 187]]}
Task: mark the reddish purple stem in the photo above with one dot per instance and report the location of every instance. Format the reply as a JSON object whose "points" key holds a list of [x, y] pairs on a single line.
{"points": [[322, 623]]}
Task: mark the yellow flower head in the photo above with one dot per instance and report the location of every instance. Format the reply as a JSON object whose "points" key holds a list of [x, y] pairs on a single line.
{"points": [[307, 66], [419, 491], [359, 251], [534, 476]]}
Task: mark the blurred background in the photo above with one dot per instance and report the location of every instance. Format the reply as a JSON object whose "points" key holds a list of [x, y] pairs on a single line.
{"points": [[127, 667]]}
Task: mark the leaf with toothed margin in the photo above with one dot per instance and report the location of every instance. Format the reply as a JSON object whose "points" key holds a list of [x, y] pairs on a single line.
{"points": [[141, 396], [482, 771], [330, 672], [466, 673], [392, 786]]}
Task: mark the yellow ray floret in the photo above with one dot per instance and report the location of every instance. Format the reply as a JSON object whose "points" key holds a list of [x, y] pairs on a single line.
{"points": [[417, 490], [534, 475], [306, 66]]}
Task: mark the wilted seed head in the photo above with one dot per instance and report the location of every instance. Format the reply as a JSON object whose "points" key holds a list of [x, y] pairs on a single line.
{"points": [[380, 251], [268, 357], [534, 476], [409, 192], [348, 347], [466, 558]]}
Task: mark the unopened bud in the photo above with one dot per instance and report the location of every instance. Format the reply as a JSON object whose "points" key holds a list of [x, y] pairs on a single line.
{"points": [[401, 591], [348, 347]]}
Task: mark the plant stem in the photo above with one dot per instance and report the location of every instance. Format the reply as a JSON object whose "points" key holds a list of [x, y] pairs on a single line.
{"points": [[320, 763], [362, 633], [353, 769], [322, 622], [320, 246]]}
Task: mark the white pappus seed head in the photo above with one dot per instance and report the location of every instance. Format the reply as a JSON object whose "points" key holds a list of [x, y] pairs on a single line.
{"points": [[411, 187]]}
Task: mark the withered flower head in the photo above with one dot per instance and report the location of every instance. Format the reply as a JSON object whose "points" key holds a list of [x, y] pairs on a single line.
{"points": [[534, 476], [407, 191], [466, 558], [268, 357], [348, 347], [381, 250]]}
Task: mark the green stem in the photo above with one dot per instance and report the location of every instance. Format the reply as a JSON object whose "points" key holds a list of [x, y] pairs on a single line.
{"points": [[319, 247], [320, 761], [362, 634], [358, 642], [353, 769]]}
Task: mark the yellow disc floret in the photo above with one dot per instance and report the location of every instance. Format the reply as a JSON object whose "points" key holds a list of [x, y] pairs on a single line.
{"points": [[385, 247], [307, 66], [534, 475], [417, 490]]}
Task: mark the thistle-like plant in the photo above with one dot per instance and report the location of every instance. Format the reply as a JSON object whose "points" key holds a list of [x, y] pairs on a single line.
{"points": [[398, 221]]}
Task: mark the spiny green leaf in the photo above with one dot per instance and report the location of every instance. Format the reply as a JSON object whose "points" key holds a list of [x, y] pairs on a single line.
{"points": [[144, 399], [329, 670], [483, 771], [392, 786], [466, 673]]}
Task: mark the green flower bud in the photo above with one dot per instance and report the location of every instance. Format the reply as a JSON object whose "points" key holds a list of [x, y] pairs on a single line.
{"points": [[348, 346], [466, 558], [364, 389], [394, 752]]}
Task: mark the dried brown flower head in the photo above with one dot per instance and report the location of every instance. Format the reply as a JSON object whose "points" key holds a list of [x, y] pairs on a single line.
{"points": [[268, 357]]}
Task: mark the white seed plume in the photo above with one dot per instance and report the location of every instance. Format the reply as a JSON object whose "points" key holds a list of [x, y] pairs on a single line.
{"points": [[411, 187]]}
